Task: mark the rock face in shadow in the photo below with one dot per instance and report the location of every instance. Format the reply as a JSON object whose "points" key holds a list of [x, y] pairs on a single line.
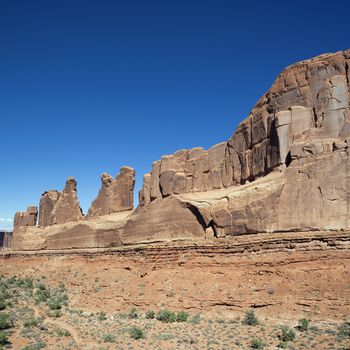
{"points": [[115, 194], [285, 168]]}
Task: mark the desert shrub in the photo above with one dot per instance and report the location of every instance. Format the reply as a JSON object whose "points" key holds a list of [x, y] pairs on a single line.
{"points": [[41, 294], [3, 338], [303, 324], [257, 343], [165, 336], [54, 313], [282, 345], [54, 304], [101, 316], [166, 316], [133, 313], [41, 286], [287, 334], [28, 283], [4, 294], [31, 322], [3, 304], [150, 314], [60, 332], [4, 321], [250, 318], [108, 338], [136, 333], [195, 319], [182, 316], [344, 330], [37, 346]]}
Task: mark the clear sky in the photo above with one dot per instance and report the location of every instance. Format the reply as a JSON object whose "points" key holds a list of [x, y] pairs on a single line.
{"points": [[89, 86]]}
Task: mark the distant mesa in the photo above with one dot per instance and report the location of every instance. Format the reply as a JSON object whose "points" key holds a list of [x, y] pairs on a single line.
{"points": [[285, 168]]}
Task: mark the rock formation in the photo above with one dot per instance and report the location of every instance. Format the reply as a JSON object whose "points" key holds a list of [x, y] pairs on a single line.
{"points": [[115, 194], [285, 168], [48, 201], [27, 218], [60, 207], [308, 101]]}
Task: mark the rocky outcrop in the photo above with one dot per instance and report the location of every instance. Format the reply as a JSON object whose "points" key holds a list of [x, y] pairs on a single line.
{"points": [[67, 207], [115, 194], [60, 207], [48, 201], [308, 101], [27, 218], [285, 168]]}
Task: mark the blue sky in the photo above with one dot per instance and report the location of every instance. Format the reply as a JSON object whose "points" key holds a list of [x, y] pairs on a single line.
{"points": [[89, 86]]}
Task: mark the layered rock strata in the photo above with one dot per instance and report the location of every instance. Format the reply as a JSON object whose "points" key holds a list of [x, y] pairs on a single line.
{"points": [[285, 168], [308, 101], [115, 194]]}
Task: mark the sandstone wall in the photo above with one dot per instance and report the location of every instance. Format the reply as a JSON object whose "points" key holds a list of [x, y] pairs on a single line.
{"points": [[308, 101], [60, 207], [115, 194], [27, 218], [285, 168]]}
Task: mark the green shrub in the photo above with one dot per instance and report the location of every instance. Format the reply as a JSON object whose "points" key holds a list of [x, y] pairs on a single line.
{"points": [[287, 334], [54, 313], [108, 338], [54, 304], [101, 316], [257, 343], [60, 332], [303, 324], [344, 330], [41, 294], [195, 319], [133, 313], [3, 338], [4, 321], [3, 304], [150, 314], [282, 345], [182, 316], [136, 333], [166, 316], [250, 318], [28, 283], [41, 286], [37, 346], [31, 322]]}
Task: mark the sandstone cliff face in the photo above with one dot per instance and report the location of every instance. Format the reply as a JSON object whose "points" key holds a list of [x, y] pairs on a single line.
{"points": [[27, 218], [308, 101], [115, 194], [48, 201], [60, 207], [285, 168]]}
